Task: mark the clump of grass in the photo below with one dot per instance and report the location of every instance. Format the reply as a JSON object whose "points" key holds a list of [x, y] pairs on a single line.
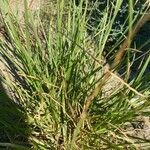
{"points": [[58, 74]]}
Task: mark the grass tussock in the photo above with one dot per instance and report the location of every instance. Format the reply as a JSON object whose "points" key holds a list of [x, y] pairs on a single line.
{"points": [[57, 74]]}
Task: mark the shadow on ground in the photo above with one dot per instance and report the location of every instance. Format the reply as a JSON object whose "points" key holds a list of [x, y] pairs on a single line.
{"points": [[13, 127]]}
